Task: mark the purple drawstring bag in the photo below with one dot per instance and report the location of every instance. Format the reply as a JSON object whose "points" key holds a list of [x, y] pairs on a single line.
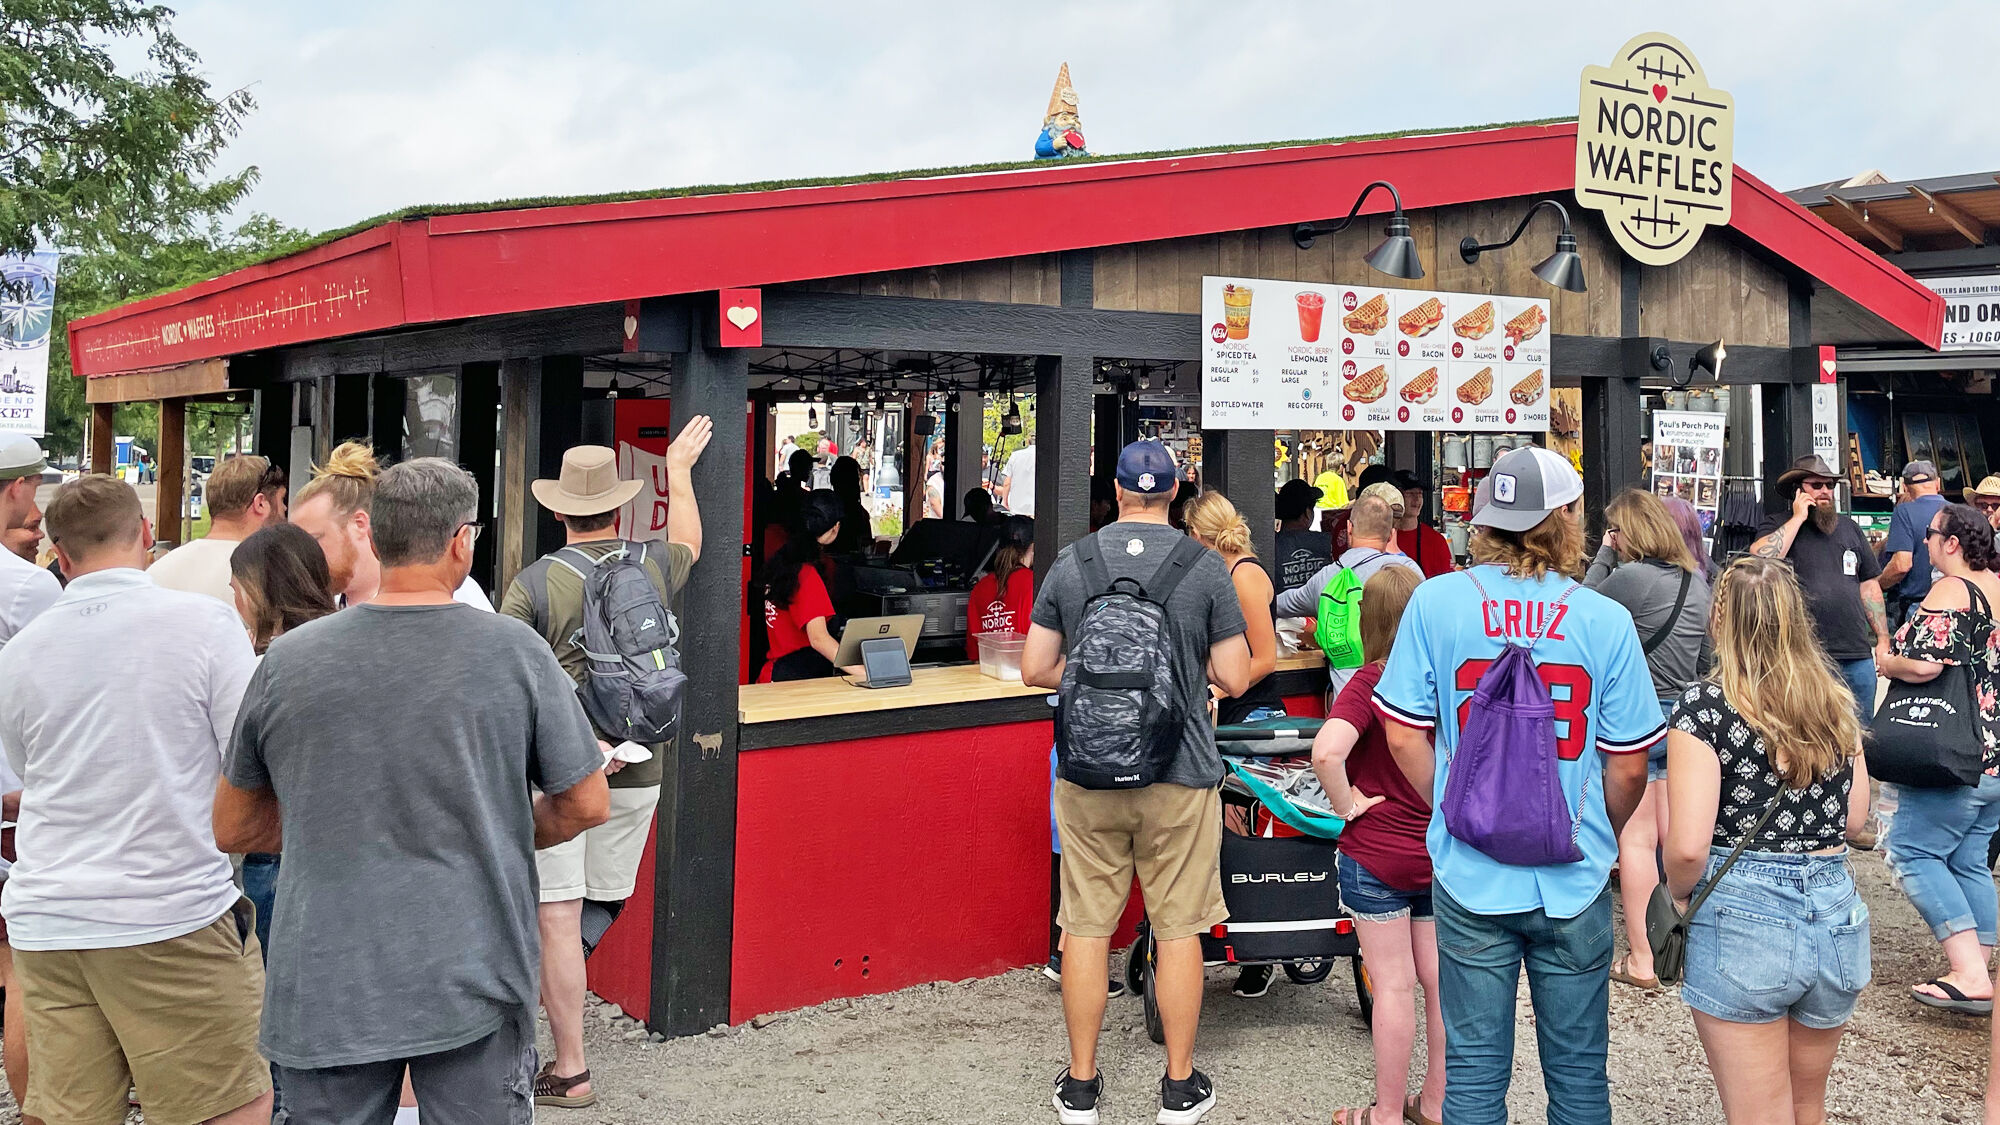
{"points": [[1502, 794]]}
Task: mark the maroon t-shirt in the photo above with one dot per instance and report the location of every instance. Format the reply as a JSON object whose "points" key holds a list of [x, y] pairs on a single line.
{"points": [[1388, 839]]}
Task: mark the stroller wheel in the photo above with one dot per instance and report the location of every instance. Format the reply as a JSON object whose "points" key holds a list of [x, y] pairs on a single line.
{"points": [[1364, 992], [1309, 972], [1145, 950]]}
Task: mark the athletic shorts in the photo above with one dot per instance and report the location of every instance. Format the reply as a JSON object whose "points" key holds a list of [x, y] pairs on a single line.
{"points": [[176, 1019], [1170, 836], [602, 863]]}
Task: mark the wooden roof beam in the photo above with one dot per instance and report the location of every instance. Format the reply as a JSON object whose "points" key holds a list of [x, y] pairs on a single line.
{"points": [[1889, 236], [1973, 230]]}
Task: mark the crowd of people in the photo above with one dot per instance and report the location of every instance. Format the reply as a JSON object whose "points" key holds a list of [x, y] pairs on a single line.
{"points": [[1705, 727], [447, 866]]}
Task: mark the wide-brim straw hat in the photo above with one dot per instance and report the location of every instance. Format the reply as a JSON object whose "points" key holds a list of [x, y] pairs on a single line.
{"points": [[588, 485]]}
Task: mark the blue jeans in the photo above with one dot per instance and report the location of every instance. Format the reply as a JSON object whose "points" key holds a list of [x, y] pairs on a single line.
{"points": [[1569, 979], [1860, 677], [1781, 936], [1937, 849], [260, 886]]}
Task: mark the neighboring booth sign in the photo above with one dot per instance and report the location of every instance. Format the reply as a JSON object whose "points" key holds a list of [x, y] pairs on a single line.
{"points": [[1653, 148], [1287, 355], [642, 428], [1687, 461], [1971, 311], [1826, 422], [27, 311]]}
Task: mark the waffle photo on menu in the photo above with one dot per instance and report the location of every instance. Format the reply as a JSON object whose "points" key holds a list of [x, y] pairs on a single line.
{"points": [[1369, 318], [1475, 324], [1527, 390], [1421, 388], [1526, 326], [1367, 386], [1423, 319], [1476, 390]]}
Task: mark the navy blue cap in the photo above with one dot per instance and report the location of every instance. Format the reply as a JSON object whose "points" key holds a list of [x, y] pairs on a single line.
{"points": [[1146, 466]]}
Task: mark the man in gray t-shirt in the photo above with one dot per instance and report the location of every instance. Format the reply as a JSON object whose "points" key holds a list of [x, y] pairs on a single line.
{"points": [[396, 744], [1169, 833]]}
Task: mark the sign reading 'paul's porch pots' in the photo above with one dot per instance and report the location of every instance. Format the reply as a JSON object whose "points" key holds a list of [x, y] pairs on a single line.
{"points": [[1653, 148]]}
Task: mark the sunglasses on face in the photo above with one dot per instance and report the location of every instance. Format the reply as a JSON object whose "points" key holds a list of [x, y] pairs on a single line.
{"points": [[1817, 486], [1937, 531], [1987, 505]]}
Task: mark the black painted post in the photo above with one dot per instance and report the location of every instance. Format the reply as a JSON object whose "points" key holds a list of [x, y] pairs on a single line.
{"points": [[1108, 432], [1238, 464], [695, 864], [478, 429], [965, 433], [561, 428], [1611, 423], [1787, 420], [1063, 407]]}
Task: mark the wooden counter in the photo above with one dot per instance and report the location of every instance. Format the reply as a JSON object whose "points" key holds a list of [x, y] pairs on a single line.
{"points": [[929, 687], [1312, 660]]}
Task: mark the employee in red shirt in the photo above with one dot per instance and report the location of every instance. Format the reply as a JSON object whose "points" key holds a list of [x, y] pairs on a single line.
{"points": [[1385, 866], [1003, 595], [1415, 538], [794, 600]]}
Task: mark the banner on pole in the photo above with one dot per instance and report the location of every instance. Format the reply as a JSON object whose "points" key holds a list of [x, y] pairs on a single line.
{"points": [[27, 315]]}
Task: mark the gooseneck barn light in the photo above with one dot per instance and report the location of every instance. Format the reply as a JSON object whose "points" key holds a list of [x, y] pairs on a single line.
{"points": [[1396, 256], [1562, 269]]}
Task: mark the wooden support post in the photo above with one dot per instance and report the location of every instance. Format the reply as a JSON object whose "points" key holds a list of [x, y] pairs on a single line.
{"points": [[103, 438], [478, 432], [520, 461], [171, 464], [1107, 432], [1063, 406], [695, 864], [1238, 464]]}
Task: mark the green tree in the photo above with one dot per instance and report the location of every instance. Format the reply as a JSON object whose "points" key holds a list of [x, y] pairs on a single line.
{"points": [[136, 264], [89, 155]]}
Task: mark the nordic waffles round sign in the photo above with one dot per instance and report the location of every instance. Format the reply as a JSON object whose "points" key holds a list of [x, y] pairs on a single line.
{"points": [[1653, 148]]}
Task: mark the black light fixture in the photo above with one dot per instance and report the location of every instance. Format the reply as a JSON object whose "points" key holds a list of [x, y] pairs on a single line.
{"points": [[812, 418], [854, 415], [1562, 269], [1709, 358], [612, 390], [1011, 424], [1396, 256]]}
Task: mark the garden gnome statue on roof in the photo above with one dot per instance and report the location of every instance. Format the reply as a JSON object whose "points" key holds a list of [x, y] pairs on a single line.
{"points": [[1062, 131]]}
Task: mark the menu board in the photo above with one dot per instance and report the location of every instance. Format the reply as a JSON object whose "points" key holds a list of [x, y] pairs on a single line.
{"points": [[1687, 461], [1283, 355]]}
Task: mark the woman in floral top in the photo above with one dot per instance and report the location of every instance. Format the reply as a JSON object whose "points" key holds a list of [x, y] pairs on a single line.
{"points": [[1937, 843]]}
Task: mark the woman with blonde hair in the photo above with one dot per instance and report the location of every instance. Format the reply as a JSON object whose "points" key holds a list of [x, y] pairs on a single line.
{"points": [[1385, 868], [1768, 747], [1215, 523], [1645, 566]]}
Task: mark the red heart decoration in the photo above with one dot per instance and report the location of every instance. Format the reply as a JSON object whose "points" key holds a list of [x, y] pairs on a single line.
{"points": [[1659, 93]]}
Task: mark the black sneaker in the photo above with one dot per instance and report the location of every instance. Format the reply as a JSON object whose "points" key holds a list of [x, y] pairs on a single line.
{"points": [[1187, 1101], [1254, 981], [1053, 971], [1076, 1100]]}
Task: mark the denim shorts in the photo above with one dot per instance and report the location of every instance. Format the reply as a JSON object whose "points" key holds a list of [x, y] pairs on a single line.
{"points": [[1371, 900], [1783, 935]]}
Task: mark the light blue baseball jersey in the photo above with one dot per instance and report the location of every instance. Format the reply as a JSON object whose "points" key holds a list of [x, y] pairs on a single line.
{"points": [[1589, 656]]}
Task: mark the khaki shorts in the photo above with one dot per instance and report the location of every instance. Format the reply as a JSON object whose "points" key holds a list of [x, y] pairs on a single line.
{"points": [[177, 1019], [602, 863], [1169, 835]]}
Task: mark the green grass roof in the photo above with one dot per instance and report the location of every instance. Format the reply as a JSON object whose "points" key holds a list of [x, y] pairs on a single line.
{"points": [[528, 202]]}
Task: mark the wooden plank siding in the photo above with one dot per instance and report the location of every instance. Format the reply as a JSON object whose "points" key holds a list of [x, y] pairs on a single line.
{"points": [[1716, 292]]}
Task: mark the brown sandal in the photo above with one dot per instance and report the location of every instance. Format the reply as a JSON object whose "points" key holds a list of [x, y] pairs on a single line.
{"points": [[551, 1090], [1643, 984], [1358, 1116], [1413, 1114]]}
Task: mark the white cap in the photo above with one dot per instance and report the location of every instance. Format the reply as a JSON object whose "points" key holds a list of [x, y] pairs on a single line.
{"points": [[1527, 484], [21, 456]]}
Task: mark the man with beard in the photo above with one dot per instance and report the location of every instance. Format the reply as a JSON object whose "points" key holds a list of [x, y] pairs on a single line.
{"points": [[1837, 570]]}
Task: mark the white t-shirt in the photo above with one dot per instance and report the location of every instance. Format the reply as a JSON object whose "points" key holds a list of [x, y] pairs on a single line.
{"points": [[1019, 476], [25, 591], [469, 593], [120, 701], [199, 567]]}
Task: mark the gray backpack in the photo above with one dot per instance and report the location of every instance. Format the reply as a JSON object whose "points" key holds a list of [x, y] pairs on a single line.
{"points": [[633, 685], [1119, 714]]}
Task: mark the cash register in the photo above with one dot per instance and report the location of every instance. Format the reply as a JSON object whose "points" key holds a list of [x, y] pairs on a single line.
{"points": [[930, 574]]}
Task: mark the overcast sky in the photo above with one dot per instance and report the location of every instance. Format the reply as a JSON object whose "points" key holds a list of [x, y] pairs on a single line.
{"points": [[366, 106]]}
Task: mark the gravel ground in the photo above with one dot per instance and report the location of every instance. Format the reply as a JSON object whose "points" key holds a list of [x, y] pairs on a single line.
{"points": [[986, 1051]]}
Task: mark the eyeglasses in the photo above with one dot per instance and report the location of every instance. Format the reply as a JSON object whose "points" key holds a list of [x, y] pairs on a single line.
{"points": [[475, 526]]}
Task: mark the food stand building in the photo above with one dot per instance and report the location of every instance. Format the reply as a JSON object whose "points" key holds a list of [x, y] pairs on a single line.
{"points": [[816, 840]]}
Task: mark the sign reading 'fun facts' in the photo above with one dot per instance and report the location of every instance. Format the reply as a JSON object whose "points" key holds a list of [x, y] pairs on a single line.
{"points": [[1653, 148]]}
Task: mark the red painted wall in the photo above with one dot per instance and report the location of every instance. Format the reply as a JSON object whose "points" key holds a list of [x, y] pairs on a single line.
{"points": [[875, 864], [621, 970]]}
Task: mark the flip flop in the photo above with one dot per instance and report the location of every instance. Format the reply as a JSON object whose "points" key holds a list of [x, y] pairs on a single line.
{"points": [[1415, 1115], [1644, 984], [1959, 1002]]}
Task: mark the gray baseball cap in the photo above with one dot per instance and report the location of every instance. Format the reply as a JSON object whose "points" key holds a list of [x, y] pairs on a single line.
{"points": [[21, 456], [1526, 485], [1917, 472]]}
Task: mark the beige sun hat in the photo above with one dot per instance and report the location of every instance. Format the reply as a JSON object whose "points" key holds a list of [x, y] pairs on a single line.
{"points": [[588, 486]]}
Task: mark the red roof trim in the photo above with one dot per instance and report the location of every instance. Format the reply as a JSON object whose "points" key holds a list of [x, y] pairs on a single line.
{"points": [[489, 263]]}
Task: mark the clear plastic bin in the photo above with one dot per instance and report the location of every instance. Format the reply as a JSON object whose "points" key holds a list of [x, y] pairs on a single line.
{"points": [[1000, 655]]}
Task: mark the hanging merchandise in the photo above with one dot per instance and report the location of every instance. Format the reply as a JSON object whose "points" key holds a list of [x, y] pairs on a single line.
{"points": [[1395, 359], [1687, 461]]}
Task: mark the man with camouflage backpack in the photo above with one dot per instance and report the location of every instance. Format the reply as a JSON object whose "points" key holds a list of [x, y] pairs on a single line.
{"points": [[1132, 624], [585, 881]]}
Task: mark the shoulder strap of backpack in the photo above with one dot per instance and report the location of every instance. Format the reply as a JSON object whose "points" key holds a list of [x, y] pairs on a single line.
{"points": [[1179, 562], [535, 576], [1653, 642], [1096, 578], [1978, 597]]}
